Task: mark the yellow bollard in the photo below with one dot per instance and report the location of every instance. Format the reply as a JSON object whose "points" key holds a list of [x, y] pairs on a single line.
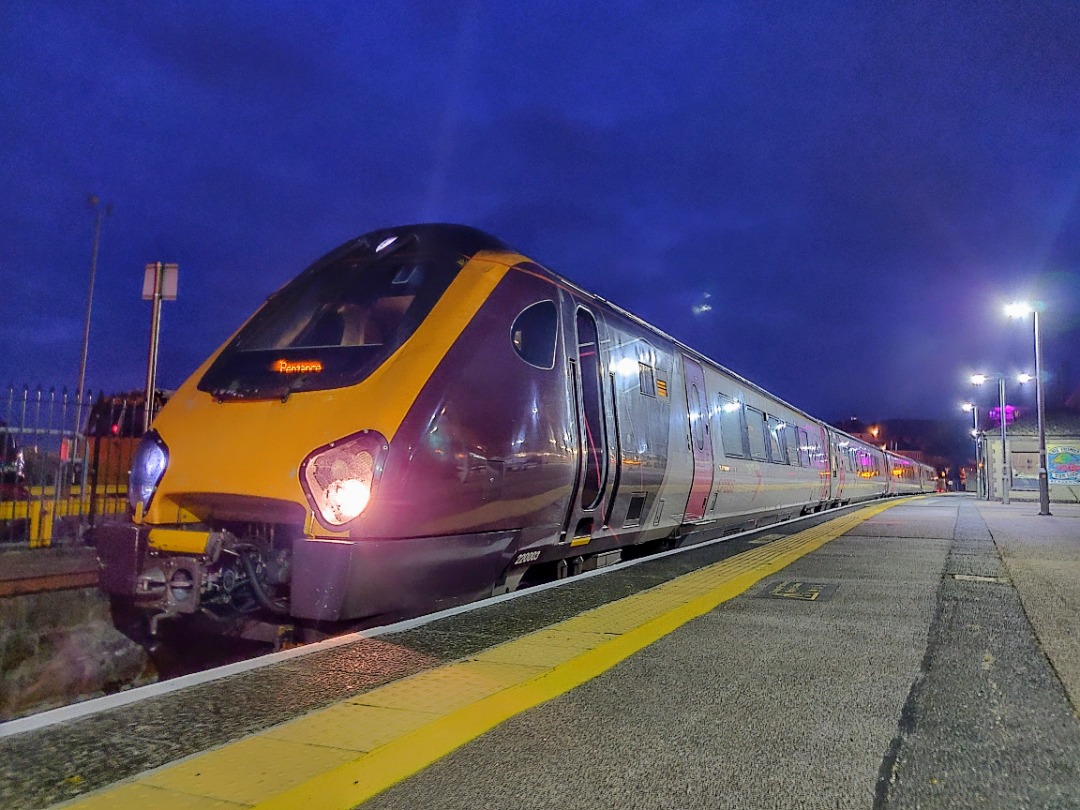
{"points": [[41, 524]]}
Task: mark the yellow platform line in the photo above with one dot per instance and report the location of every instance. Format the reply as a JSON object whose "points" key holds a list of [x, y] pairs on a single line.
{"points": [[342, 755]]}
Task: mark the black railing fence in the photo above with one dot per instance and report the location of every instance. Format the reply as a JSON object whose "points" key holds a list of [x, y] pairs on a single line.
{"points": [[64, 461]]}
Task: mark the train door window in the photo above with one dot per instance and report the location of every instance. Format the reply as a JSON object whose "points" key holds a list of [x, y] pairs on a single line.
{"points": [[697, 416], [755, 428], [804, 447], [646, 379], [776, 441], [595, 446], [534, 334], [733, 428]]}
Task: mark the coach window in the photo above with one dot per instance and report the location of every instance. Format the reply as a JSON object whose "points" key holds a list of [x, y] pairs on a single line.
{"points": [[733, 428], [777, 445], [534, 334], [755, 427], [791, 435]]}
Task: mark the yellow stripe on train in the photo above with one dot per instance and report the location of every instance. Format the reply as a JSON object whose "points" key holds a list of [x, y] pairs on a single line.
{"points": [[179, 541]]}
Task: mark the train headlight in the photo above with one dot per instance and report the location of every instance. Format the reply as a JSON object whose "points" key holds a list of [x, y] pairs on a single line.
{"points": [[147, 466], [340, 478]]}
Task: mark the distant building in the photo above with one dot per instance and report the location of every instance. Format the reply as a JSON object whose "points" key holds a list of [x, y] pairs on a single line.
{"points": [[1022, 451]]}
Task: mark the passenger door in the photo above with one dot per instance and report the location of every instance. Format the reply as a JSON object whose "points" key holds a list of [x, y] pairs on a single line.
{"points": [[700, 440], [593, 411]]}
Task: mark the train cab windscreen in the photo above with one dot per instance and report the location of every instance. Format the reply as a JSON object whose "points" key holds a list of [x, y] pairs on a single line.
{"points": [[336, 322]]}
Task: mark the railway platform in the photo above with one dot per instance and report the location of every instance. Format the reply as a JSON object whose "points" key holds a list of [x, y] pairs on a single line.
{"points": [[921, 652]]}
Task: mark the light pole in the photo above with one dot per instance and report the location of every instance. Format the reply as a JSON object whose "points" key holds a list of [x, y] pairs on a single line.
{"points": [[102, 212], [1020, 310], [159, 284], [979, 379], [974, 410]]}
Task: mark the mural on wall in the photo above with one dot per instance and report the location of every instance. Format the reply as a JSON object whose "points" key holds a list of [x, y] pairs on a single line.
{"points": [[1064, 464]]}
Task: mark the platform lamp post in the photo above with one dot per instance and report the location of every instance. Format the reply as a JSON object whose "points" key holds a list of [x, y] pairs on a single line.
{"points": [[973, 409], [979, 379], [1021, 309], [159, 284]]}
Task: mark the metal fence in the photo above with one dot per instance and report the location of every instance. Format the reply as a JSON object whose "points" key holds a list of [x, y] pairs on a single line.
{"points": [[64, 461]]}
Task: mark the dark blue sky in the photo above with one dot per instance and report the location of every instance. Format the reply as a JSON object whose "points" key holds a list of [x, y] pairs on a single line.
{"points": [[852, 188]]}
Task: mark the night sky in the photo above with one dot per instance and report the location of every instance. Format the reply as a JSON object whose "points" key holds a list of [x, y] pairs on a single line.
{"points": [[832, 199]]}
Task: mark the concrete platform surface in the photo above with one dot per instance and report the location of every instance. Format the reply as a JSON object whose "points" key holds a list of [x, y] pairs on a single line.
{"points": [[915, 654]]}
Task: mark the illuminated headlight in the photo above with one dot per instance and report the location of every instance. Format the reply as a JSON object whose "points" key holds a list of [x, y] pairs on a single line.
{"points": [[147, 466], [340, 478]]}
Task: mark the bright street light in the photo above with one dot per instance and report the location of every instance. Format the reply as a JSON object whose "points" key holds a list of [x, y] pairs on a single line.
{"points": [[1021, 309]]}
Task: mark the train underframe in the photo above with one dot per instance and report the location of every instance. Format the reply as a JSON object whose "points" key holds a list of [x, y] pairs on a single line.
{"points": [[268, 583]]}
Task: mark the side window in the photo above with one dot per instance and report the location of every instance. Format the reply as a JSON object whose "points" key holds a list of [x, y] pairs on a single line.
{"points": [[777, 441], [733, 428], [794, 455], [534, 334], [755, 427]]}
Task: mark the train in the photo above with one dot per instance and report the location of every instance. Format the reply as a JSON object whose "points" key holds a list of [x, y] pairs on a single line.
{"points": [[425, 417]]}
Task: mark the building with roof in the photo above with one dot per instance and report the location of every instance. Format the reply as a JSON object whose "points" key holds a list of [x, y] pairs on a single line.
{"points": [[1022, 454]]}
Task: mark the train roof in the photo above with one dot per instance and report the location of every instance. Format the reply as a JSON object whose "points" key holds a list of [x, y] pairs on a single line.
{"points": [[468, 241]]}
